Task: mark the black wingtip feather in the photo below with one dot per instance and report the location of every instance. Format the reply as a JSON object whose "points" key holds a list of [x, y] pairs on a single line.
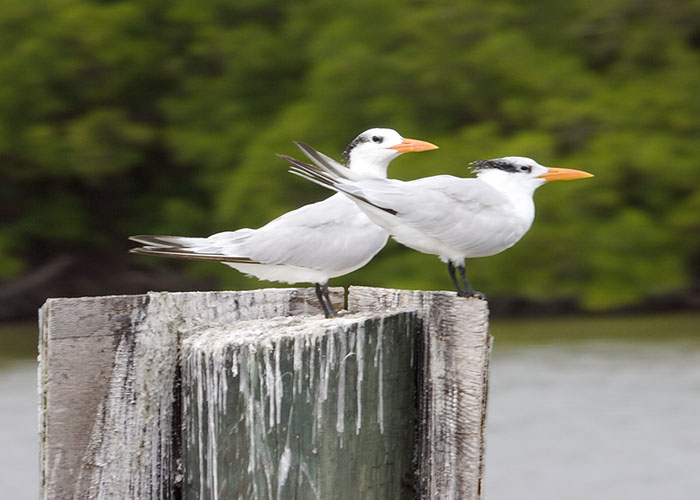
{"points": [[317, 157], [178, 253], [319, 176]]}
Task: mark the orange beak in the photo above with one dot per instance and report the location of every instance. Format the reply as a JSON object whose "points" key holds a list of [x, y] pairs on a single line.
{"points": [[413, 145], [564, 174]]}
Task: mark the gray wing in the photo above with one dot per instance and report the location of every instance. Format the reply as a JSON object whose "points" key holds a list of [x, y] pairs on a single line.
{"points": [[333, 234], [319, 159], [448, 208], [324, 163]]}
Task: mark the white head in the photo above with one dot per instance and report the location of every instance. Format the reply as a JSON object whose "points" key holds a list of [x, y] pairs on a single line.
{"points": [[520, 174], [374, 149]]}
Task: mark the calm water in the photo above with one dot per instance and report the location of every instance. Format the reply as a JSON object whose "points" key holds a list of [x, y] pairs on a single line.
{"points": [[19, 455], [598, 420], [578, 409]]}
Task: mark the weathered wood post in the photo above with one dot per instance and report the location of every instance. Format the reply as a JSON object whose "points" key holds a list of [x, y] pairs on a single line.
{"points": [[108, 385], [454, 348], [243, 395], [290, 408]]}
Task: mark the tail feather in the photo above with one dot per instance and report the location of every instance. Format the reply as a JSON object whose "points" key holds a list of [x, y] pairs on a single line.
{"points": [[166, 241], [182, 253], [182, 247]]}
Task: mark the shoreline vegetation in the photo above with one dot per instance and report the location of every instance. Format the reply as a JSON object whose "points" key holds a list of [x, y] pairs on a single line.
{"points": [[125, 118]]}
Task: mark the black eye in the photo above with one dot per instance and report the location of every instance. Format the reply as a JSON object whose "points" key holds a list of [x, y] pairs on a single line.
{"points": [[525, 168], [377, 139]]}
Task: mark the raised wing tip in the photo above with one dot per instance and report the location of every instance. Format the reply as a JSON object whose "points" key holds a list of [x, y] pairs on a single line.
{"points": [[297, 163], [304, 147]]}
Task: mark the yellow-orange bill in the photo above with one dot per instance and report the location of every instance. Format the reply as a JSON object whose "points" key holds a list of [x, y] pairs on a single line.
{"points": [[408, 145], [564, 174]]}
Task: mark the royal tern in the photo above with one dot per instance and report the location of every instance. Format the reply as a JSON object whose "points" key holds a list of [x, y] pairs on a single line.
{"points": [[313, 243], [451, 217]]}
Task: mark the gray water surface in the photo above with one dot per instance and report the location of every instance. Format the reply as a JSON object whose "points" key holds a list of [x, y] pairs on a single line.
{"points": [[594, 420], [19, 439], [566, 422]]}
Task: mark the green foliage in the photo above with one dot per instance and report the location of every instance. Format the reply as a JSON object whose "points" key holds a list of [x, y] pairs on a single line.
{"points": [[130, 117]]}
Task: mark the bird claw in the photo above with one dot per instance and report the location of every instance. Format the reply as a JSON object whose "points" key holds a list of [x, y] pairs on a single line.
{"points": [[336, 314], [471, 294]]}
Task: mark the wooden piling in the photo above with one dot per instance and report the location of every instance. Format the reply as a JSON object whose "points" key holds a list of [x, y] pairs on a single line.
{"points": [[243, 395], [288, 408], [454, 348], [107, 385]]}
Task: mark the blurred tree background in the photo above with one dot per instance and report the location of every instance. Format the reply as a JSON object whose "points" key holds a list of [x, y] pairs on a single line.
{"points": [[154, 117]]}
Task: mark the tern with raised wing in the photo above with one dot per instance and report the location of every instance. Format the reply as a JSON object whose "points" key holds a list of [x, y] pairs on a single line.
{"points": [[313, 243], [452, 217]]}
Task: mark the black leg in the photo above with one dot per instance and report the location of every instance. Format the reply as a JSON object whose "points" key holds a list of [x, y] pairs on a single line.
{"points": [[451, 270], [468, 290], [325, 300], [319, 294], [329, 304], [464, 290]]}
